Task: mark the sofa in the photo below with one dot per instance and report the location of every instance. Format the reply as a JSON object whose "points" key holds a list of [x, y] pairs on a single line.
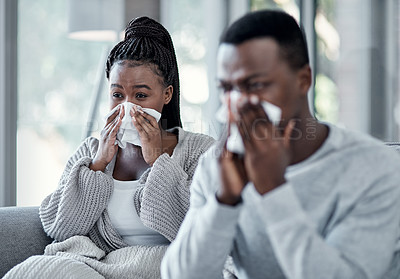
{"points": [[22, 235]]}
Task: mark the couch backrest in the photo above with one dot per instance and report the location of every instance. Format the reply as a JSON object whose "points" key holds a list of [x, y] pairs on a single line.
{"points": [[395, 145], [21, 236]]}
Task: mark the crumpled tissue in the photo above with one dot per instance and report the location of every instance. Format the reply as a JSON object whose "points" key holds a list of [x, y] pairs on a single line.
{"points": [[127, 132], [235, 142]]}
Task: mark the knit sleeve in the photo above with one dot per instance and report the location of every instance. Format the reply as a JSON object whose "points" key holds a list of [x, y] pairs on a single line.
{"points": [[82, 195], [164, 200]]}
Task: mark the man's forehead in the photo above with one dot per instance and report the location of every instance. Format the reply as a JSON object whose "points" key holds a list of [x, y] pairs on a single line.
{"points": [[250, 47], [259, 54]]}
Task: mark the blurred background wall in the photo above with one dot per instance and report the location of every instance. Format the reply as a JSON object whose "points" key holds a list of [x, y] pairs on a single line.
{"points": [[53, 89]]}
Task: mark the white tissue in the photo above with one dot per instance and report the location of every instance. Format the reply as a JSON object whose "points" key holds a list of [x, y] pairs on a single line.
{"points": [[127, 133], [235, 142]]}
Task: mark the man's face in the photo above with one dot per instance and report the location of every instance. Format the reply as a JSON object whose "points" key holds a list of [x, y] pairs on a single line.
{"points": [[256, 67]]}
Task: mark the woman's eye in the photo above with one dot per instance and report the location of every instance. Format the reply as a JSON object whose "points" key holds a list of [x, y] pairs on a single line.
{"points": [[117, 95], [140, 95]]}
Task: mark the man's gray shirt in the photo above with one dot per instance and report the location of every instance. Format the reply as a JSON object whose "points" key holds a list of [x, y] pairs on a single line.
{"points": [[337, 216]]}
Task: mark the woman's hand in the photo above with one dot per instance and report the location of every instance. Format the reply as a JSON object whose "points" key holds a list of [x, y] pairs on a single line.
{"points": [[149, 133], [108, 136], [267, 149]]}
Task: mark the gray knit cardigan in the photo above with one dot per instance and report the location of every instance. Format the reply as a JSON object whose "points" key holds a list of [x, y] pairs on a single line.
{"points": [[79, 205]]}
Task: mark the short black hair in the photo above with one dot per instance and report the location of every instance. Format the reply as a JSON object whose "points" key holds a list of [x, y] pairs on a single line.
{"points": [[274, 24], [147, 42]]}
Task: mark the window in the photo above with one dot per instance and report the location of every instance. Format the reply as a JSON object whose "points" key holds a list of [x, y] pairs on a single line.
{"points": [[355, 60], [354, 52], [357, 65], [289, 6], [57, 84], [185, 21], [56, 77]]}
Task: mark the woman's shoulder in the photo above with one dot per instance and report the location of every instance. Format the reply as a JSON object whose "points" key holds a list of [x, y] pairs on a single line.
{"points": [[191, 146], [193, 139], [88, 146], [91, 141]]}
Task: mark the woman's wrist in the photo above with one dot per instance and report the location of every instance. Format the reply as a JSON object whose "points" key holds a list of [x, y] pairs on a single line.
{"points": [[97, 165]]}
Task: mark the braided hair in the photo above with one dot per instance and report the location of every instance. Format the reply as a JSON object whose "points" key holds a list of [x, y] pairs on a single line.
{"points": [[147, 42]]}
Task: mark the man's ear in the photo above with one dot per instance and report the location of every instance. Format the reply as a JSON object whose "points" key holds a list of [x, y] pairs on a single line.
{"points": [[305, 79], [168, 94]]}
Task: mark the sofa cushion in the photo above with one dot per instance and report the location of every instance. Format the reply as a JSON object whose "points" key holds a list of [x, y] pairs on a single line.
{"points": [[21, 235], [394, 145]]}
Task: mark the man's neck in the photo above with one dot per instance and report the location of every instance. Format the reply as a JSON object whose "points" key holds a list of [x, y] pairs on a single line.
{"points": [[308, 137]]}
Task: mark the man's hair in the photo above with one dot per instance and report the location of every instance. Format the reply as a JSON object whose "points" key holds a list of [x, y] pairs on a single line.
{"points": [[147, 42], [276, 25]]}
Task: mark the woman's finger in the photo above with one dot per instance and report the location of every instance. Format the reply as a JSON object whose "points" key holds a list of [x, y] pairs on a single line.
{"points": [[106, 130], [150, 119], [112, 119], [114, 115], [115, 127], [138, 123], [145, 123], [136, 120]]}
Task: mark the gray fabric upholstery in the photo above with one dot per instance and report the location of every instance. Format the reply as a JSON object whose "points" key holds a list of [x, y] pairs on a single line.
{"points": [[21, 236], [394, 145]]}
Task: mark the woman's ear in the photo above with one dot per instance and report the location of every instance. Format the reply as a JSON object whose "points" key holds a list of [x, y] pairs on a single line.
{"points": [[168, 94]]}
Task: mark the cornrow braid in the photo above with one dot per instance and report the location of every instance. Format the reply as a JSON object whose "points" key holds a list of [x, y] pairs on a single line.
{"points": [[148, 42]]}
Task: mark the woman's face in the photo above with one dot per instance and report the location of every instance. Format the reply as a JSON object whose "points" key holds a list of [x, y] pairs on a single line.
{"points": [[138, 84]]}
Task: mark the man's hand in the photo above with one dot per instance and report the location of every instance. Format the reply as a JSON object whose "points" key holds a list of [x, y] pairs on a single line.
{"points": [[267, 149], [233, 176], [232, 171]]}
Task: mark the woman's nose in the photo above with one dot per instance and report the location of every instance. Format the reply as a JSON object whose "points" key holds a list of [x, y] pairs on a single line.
{"points": [[130, 100]]}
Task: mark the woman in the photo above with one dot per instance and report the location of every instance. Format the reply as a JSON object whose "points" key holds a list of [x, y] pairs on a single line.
{"points": [[116, 209]]}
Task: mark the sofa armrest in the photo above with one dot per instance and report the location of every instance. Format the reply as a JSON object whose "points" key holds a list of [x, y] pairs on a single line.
{"points": [[21, 236]]}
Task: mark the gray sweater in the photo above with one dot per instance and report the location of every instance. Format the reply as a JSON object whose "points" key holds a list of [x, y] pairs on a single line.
{"points": [[78, 205], [337, 216]]}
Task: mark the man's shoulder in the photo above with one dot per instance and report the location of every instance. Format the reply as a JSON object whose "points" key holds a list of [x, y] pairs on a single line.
{"points": [[345, 139], [365, 150]]}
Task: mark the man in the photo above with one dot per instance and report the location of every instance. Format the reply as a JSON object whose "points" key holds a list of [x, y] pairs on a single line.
{"points": [[307, 199]]}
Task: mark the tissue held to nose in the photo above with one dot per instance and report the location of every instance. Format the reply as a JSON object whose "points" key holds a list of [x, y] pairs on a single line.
{"points": [[235, 142], [127, 132]]}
